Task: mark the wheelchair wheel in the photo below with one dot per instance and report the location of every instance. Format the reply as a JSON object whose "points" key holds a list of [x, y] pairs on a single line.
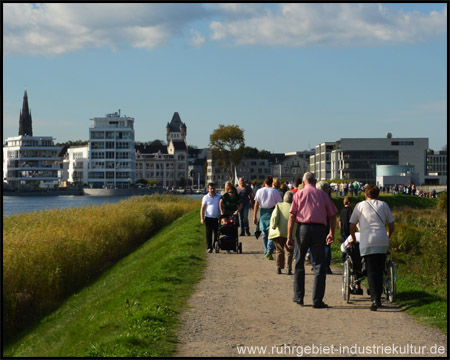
{"points": [[390, 283], [346, 281], [217, 247]]}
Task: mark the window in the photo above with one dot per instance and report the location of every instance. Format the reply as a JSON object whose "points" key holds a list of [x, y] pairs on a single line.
{"points": [[402, 143], [97, 135]]}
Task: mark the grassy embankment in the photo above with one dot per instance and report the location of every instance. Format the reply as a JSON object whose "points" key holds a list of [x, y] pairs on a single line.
{"points": [[419, 250], [129, 310]]}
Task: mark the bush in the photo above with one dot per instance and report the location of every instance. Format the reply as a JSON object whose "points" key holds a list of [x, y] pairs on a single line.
{"points": [[442, 201], [50, 254]]}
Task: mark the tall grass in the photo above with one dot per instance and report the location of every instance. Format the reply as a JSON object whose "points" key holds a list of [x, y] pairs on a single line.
{"points": [[50, 254]]}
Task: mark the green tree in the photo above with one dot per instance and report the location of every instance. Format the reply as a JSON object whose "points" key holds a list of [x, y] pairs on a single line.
{"points": [[227, 145]]}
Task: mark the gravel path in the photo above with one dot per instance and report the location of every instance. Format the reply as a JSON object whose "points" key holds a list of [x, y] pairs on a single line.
{"points": [[241, 302]]}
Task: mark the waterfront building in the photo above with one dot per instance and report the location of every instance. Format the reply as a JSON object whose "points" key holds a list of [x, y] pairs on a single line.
{"points": [[76, 165], [357, 158], [436, 168], [167, 165], [30, 162], [112, 158]]}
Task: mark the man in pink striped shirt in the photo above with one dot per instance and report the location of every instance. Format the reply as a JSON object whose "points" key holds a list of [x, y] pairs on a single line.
{"points": [[311, 209]]}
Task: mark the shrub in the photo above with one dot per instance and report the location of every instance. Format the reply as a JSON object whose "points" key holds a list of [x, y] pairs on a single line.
{"points": [[442, 201]]}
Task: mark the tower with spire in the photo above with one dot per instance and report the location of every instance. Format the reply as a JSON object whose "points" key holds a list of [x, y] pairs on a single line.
{"points": [[25, 121], [176, 130]]}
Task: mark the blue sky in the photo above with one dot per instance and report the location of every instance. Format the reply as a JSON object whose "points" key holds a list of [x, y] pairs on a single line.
{"points": [[290, 75]]}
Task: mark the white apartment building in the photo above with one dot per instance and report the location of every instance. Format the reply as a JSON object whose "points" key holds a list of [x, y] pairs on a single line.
{"points": [[31, 162], [76, 165], [112, 159]]}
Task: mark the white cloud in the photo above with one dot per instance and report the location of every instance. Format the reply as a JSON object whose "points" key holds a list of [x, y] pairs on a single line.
{"points": [[333, 24], [57, 28], [197, 39]]}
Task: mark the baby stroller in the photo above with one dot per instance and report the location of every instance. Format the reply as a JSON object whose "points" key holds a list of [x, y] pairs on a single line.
{"points": [[228, 238]]}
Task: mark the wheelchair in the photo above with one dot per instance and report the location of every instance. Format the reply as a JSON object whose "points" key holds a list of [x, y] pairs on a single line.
{"points": [[350, 277]]}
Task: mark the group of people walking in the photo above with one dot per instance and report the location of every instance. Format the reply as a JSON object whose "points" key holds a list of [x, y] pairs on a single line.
{"points": [[300, 221]]}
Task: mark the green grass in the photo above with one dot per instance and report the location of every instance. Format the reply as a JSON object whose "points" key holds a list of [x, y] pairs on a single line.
{"points": [[132, 309], [421, 302]]}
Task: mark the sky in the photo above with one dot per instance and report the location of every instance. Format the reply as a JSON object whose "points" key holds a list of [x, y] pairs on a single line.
{"points": [[290, 75]]}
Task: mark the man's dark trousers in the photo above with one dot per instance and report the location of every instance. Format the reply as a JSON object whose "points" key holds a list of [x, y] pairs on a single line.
{"points": [[312, 236], [212, 226]]}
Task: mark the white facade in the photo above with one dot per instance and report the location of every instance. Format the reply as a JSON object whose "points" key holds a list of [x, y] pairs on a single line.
{"points": [[31, 162], [77, 159], [294, 165], [156, 166], [112, 159]]}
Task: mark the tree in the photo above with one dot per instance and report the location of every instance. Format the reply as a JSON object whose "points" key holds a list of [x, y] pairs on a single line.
{"points": [[227, 146]]}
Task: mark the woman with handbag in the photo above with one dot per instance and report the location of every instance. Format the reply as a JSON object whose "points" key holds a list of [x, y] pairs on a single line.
{"points": [[372, 215]]}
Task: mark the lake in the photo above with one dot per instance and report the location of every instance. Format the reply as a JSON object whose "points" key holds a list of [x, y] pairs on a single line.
{"points": [[21, 204]]}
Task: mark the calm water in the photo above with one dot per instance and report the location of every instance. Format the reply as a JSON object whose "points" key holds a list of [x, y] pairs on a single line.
{"points": [[21, 204]]}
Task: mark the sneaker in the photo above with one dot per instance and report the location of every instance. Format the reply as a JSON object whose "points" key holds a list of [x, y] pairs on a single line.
{"points": [[289, 272], [269, 256], [241, 234], [373, 307], [210, 251], [278, 271], [248, 233]]}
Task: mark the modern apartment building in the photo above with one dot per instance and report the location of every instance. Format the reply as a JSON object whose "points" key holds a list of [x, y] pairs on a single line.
{"points": [[356, 159], [112, 159], [436, 168], [76, 165], [30, 162]]}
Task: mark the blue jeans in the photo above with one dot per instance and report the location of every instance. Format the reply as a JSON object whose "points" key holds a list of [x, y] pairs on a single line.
{"points": [[243, 218], [268, 244]]}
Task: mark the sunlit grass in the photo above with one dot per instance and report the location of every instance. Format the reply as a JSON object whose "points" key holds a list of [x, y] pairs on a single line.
{"points": [[50, 254], [131, 310]]}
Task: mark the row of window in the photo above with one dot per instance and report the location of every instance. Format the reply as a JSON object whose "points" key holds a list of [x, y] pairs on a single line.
{"points": [[17, 154], [110, 155], [109, 175]]}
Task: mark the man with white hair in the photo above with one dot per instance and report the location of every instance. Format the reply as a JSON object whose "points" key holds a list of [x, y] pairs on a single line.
{"points": [[310, 209]]}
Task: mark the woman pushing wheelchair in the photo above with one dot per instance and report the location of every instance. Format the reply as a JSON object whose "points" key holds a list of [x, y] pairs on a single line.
{"points": [[372, 215]]}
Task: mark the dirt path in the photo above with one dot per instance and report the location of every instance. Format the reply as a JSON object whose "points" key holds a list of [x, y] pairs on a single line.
{"points": [[241, 302]]}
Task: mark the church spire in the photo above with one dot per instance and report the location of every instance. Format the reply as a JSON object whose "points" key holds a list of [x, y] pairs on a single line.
{"points": [[25, 121]]}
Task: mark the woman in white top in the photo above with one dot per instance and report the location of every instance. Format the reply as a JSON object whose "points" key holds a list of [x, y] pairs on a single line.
{"points": [[372, 215]]}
